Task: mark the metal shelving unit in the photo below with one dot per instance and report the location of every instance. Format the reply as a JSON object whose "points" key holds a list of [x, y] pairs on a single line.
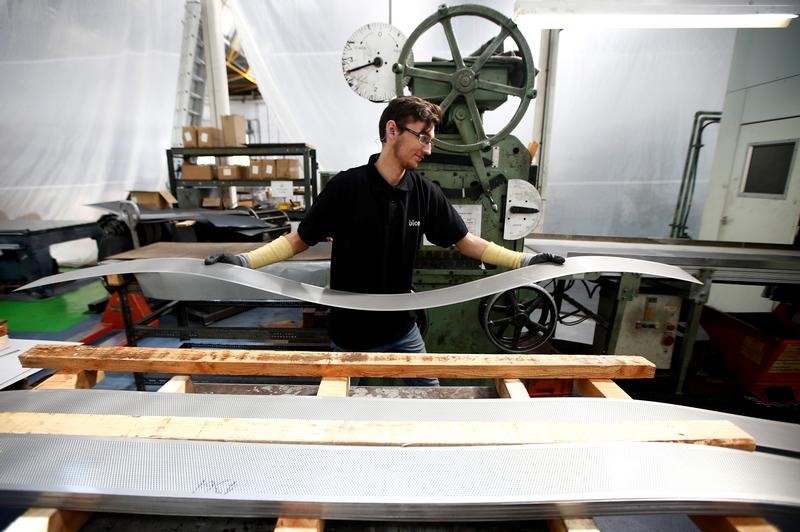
{"points": [[308, 153]]}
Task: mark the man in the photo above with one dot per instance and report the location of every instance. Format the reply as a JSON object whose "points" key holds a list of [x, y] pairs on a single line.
{"points": [[377, 215]]}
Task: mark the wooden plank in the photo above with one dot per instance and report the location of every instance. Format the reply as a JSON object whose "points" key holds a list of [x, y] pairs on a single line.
{"points": [[717, 523], [310, 363], [290, 524], [328, 387], [178, 384], [572, 525], [71, 380], [346, 432], [49, 520], [511, 389], [599, 388], [334, 387]]}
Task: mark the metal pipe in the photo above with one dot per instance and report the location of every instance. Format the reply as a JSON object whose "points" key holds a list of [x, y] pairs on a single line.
{"points": [[701, 120]]}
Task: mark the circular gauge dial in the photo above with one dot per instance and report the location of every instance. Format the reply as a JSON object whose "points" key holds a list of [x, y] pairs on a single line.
{"points": [[367, 60]]}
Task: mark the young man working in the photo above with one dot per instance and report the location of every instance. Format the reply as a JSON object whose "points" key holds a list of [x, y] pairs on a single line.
{"points": [[376, 215]]}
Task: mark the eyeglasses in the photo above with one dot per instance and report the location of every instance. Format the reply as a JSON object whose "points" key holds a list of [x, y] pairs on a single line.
{"points": [[423, 139]]}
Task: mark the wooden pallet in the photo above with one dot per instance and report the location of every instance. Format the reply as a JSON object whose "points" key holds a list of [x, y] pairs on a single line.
{"points": [[83, 367]]}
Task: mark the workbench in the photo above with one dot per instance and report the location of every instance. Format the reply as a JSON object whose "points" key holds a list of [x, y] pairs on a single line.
{"points": [[83, 367]]}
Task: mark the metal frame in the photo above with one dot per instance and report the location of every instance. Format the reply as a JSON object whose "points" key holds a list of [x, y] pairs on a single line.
{"points": [[308, 153]]}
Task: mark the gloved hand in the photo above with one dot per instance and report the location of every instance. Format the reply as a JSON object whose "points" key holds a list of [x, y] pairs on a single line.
{"points": [[227, 258], [529, 259]]}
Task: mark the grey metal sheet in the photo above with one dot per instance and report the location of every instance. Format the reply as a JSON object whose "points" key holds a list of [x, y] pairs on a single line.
{"points": [[784, 437], [391, 483], [191, 280], [729, 261], [11, 370]]}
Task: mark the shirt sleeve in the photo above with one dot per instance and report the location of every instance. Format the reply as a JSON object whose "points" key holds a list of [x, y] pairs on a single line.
{"points": [[319, 221], [444, 226]]}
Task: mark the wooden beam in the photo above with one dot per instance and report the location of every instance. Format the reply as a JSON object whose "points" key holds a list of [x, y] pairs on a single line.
{"points": [[334, 387], [71, 380], [178, 384], [572, 525], [343, 432], [511, 389], [715, 523], [290, 524], [49, 520], [599, 388], [328, 387], [306, 363]]}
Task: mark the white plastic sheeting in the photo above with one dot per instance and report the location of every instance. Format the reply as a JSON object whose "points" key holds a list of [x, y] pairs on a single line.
{"points": [[87, 97], [88, 91], [624, 105]]}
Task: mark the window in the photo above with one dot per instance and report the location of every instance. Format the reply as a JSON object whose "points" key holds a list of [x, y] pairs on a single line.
{"points": [[767, 169]]}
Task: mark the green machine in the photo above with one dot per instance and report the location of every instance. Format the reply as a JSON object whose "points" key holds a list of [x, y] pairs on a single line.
{"points": [[488, 178]]}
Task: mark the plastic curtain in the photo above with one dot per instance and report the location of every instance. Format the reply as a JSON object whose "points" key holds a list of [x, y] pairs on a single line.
{"points": [[88, 95], [624, 105]]}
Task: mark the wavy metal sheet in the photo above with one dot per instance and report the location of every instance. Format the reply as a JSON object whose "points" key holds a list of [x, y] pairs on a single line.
{"points": [[391, 483], [191, 280]]}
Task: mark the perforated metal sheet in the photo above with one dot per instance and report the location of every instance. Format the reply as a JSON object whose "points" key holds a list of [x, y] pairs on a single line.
{"points": [[768, 434], [191, 280], [452, 483]]}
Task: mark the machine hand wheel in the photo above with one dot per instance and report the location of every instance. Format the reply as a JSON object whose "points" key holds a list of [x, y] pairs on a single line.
{"points": [[465, 80], [519, 320]]}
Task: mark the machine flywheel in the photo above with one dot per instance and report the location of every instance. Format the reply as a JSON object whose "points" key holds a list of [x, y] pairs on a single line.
{"points": [[519, 320]]}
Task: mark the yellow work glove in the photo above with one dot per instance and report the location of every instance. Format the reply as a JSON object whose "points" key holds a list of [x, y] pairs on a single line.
{"points": [[500, 256]]}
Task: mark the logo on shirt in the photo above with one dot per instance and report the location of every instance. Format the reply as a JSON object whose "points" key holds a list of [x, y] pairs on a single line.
{"points": [[413, 223]]}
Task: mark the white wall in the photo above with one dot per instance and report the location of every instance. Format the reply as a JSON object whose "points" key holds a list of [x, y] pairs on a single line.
{"points": [[764, 87]]}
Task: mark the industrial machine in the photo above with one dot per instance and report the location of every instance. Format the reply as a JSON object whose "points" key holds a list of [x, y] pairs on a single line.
{"points": [[487, 177]]}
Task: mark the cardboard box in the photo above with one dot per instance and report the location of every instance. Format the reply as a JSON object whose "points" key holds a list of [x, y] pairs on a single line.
{"points": [[209, 137], [287, 169], [234, 130], [254, 171], [246, 203], [189, 137], [269, 167], [147, 199], [212, 203], [282, 168], [294, 169], [195, 172], [229, 172]]}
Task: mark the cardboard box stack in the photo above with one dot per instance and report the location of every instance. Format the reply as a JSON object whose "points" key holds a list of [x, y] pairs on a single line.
{"points": [[232, 133]]}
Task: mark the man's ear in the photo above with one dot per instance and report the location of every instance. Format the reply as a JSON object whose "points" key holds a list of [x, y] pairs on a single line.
{"points": [[391, 128]]}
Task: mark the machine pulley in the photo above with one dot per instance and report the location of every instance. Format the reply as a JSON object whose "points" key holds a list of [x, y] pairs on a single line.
{"points": [[519, 320]]}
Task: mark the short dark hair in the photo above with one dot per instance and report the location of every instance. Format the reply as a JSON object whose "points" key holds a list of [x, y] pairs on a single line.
{"points": [[402, 108]]}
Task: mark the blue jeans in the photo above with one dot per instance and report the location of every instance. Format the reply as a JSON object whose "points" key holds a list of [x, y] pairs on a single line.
{"points": [[410, 343]]}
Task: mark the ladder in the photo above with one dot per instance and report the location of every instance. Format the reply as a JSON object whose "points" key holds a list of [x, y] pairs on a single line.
{"points": [[191, 88]]}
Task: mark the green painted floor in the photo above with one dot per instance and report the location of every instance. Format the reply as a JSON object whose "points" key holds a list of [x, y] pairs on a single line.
{"points": [[54, 313]]}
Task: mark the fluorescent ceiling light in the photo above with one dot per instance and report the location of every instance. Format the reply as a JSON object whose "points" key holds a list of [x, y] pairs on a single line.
{"points": [[657, 13]]}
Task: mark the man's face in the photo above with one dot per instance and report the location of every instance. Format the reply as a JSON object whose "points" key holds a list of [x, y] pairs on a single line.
{"points": [[407, 147]]}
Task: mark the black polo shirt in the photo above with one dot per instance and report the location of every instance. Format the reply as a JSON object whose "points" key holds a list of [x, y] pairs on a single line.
{"points": [[376, 231]]}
